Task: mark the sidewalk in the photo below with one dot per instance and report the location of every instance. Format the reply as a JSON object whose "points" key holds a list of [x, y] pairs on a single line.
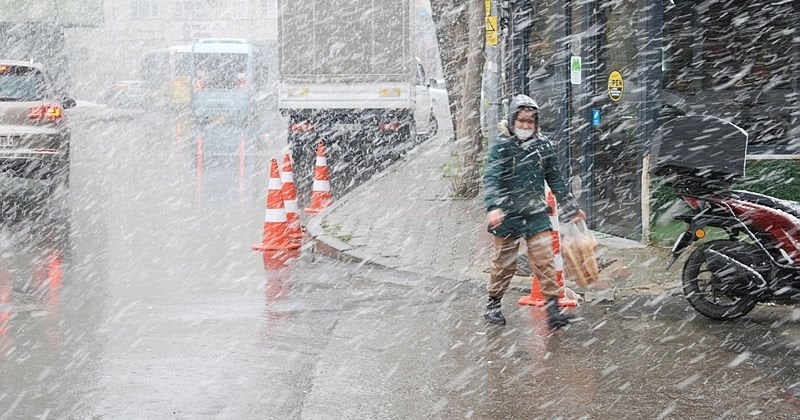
{"points": [[406, 218]]}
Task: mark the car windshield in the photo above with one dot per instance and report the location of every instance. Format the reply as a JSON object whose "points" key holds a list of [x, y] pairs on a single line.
{"points": [[19, 83]]}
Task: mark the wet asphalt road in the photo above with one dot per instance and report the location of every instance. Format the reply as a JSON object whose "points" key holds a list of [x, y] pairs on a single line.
{"points": [[144, 300]]}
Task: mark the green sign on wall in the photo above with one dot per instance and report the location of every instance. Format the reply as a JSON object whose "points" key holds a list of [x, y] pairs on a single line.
{"points": [[88, 13]]}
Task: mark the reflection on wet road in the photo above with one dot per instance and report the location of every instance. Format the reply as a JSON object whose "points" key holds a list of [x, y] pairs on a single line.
{"points": [[224, 162]]}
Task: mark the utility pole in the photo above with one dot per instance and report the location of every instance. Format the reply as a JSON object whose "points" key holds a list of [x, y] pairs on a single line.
{"points": [[491, 73]]}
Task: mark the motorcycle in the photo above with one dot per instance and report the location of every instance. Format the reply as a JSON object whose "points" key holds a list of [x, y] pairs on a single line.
{"points": [[757, 258]]}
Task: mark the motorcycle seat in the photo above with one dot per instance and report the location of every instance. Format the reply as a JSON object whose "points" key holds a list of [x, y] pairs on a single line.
{"points": [[787, 206]]}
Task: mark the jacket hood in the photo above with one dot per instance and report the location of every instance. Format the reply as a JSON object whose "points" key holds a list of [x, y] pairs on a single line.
{"points": [[521, 101]]}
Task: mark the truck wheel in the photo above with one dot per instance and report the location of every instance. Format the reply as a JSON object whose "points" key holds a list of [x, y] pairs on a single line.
{"points": [[303, 149]]}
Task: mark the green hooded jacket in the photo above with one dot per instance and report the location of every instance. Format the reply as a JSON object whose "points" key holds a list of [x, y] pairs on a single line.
{"points": [[514, 181]]}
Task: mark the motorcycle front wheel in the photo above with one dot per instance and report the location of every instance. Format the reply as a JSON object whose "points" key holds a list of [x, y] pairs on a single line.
{"points": [[702, 288]]}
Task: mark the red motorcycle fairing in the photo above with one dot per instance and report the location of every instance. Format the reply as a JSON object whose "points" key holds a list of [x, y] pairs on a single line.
{"points": [[782, 226]]}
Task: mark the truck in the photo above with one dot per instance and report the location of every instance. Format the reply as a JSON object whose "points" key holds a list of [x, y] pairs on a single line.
{"points": [[349, 78]]}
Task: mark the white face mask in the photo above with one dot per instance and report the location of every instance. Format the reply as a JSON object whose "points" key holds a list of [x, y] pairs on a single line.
{"points": [[523, 134]]}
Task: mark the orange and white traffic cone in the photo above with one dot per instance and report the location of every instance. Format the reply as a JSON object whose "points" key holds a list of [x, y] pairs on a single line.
{"points": [[289, 194], [535, 298], [564, 299], [321, 191], [275, 225]]}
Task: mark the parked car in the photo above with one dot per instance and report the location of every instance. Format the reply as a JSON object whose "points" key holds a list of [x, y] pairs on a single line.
{"points": [[34, 137]]}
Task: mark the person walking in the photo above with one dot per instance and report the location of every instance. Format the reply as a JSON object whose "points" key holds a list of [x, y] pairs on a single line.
{"points": [[518, 164]]}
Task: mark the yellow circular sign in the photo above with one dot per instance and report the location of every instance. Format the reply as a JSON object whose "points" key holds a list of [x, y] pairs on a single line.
{"points": [[615, 86]]}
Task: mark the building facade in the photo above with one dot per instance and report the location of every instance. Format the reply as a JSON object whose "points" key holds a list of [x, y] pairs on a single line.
{"points": [[608, 73]]}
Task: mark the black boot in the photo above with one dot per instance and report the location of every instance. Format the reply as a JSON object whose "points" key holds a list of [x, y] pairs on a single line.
{"points": [[555, 318], [493, 314]]}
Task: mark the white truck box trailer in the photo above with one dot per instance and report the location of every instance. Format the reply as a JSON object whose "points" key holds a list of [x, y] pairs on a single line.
{"points": [[349, 78]]}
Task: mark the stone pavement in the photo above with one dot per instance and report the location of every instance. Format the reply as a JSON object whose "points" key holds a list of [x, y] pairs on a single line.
{"points": [[406, 218]]}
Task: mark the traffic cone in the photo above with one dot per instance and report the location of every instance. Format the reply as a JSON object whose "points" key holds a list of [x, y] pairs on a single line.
{"points": [[321, 191], [535, 298], [566, 298], [289, 194], [275, 225]]}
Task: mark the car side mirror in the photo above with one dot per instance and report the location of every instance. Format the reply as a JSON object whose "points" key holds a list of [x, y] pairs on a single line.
{"points": [[68, 103]]}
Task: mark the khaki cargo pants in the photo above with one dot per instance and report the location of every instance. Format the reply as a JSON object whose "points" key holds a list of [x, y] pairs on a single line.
{"points": [[540, 258]]}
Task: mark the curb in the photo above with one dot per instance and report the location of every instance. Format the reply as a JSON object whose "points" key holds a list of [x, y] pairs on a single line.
{"points": [[329, 246]]}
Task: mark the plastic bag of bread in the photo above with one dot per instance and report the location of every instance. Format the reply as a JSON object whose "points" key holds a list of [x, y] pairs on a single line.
{"points": [[578, 249]]}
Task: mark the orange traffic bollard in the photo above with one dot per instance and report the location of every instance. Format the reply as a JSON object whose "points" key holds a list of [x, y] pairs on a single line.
{"points": [[321, 191], [289, 193], [536, 298], [275, 226]]}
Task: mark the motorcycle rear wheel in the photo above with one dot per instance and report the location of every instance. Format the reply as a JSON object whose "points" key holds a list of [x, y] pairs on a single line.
{"points": [[700, 290]]}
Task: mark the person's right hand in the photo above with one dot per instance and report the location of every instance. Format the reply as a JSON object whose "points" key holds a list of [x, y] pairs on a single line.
{"points": [[494, 218]]}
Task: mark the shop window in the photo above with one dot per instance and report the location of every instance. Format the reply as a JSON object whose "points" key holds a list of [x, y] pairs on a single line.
{"points": [[735, 61], [144, 9], [542, 55], [620, 44]]}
